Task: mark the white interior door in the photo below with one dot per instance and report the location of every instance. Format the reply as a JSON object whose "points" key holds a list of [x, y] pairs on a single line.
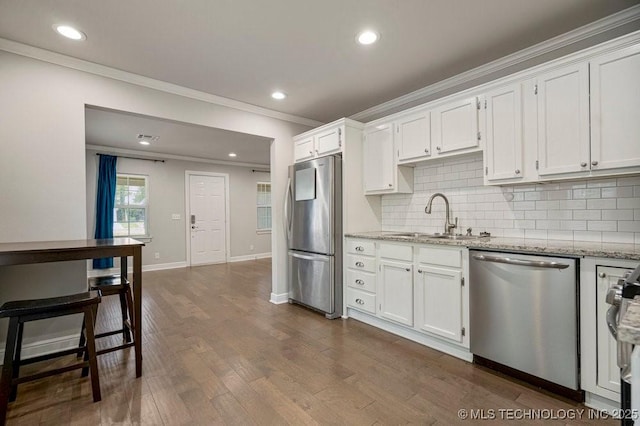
{"points": [[207, 216]]}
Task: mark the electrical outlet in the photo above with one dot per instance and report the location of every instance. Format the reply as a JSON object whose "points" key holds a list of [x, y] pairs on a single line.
{"points": [[251, 247], [175, 216], [157, 255]]}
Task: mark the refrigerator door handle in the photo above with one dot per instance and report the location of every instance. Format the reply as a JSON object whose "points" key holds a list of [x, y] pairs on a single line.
{"points": [[287, 214], [317, 258]]}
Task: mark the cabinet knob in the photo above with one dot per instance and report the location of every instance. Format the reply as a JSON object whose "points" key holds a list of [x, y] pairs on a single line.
{"points": [[360, 301], [390, 185], [359, 248], [426, 151], [359, 264], [517, 171], [583, 164], [419, 271], [408, 269], [316, 152], [437, 148], [310, 152], [359, 282], [602, 275], [594, 163]]}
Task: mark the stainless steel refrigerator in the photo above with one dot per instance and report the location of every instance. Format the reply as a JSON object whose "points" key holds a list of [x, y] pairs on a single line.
{"points": [[313, 224]]}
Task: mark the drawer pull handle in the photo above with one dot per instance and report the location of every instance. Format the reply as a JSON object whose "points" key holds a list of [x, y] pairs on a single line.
{"points": [[360, 301], [359, 248], [359, 282], [359, 264]]}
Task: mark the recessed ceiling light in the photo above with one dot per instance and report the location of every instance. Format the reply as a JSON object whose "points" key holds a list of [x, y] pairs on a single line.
{"points": [[145, 143], [278, 95], [70, 32], [232, 154], [367, 37]]}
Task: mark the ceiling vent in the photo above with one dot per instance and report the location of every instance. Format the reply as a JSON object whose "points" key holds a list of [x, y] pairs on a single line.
{"points": [[147, 138]]}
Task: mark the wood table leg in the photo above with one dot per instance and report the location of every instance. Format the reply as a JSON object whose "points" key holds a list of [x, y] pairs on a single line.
{"points": [[137, 303]]}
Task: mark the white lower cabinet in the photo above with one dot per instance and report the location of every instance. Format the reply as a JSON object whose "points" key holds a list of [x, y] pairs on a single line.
{"points": [[439, 297], [417, 291], [396, 291]]}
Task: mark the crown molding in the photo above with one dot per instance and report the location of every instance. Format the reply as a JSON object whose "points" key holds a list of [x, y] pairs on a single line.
{"points": [[128, 77], [149, 155], [593, 29]]}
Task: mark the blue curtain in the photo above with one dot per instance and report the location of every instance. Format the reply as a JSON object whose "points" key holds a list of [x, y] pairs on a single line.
{"points": [[106, 194]]}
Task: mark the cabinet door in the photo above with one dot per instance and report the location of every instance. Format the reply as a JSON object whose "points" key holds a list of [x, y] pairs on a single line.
{"points": [[303, 149], [439, 304], [378, 162], [563, 120], [615, 109], [455, 126], [504, 133], [414, 136], [329, 141], [395, 291], [608, 375]]}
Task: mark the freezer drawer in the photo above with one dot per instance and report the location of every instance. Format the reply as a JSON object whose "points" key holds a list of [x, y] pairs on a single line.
{"points": [[312, 280]]}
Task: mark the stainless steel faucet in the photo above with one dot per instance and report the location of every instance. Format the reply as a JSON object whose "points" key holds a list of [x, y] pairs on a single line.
{"points": [[448, 226]]}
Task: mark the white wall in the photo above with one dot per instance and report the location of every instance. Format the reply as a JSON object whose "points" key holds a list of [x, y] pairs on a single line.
{"points": [[167, 196], [42, 156], [600, 210]]}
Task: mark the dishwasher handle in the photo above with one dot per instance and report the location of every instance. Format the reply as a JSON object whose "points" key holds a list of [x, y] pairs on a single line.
{"points": [[519, 262]]}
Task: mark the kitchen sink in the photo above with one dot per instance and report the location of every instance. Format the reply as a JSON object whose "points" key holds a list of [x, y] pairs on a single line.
{"points": [[409, 235]]}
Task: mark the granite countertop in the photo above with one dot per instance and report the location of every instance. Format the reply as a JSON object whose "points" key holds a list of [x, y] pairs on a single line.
{"points": [[557, 247], [629, 327]]}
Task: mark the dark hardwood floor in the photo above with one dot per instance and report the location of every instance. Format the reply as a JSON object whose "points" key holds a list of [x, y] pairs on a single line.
{"points": [[217, 352]]}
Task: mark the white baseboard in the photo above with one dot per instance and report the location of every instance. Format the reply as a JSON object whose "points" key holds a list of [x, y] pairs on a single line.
{"points": [[47, 346], [279, 299], [249, 257], [145, 268], [423, 339]]}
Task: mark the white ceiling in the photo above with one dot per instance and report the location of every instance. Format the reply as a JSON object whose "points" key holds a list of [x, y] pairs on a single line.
{"points": [[244, 49], [119, 130]]}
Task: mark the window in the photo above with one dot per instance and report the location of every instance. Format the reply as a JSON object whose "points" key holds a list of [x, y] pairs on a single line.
{"points": [[264, 206], [130, 211]]}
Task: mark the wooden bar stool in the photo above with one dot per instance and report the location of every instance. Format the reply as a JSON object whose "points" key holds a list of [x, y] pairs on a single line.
{"points": [[23, 311], [110, 286]]}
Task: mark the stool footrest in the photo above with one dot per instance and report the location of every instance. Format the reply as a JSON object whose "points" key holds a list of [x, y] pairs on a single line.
{"points": [[46, 357], [48, 373], [115, 348]]}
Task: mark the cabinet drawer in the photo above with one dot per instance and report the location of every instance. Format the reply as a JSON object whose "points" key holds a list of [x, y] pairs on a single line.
{"points": [[395, 251], [441, 256], [361, 300], [361, 280], [361, 247], [361, 263]]}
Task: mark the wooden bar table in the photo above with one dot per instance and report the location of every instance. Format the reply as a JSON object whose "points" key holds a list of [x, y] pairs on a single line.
{"points": [[59, 251]]}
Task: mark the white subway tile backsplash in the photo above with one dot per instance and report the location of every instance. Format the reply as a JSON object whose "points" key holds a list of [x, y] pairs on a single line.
{"points": [[596, 210]]}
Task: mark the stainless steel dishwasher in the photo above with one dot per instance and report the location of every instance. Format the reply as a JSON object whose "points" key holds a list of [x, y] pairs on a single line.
{"points": [[524, 314]]}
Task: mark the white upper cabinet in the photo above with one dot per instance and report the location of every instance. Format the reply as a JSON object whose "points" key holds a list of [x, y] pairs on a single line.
{"points": [[319, 142], [455, 126], [303, 149], [504, 113], [380, 170], [563, 120], [378, 159], [413, 134], [615, 109]]}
